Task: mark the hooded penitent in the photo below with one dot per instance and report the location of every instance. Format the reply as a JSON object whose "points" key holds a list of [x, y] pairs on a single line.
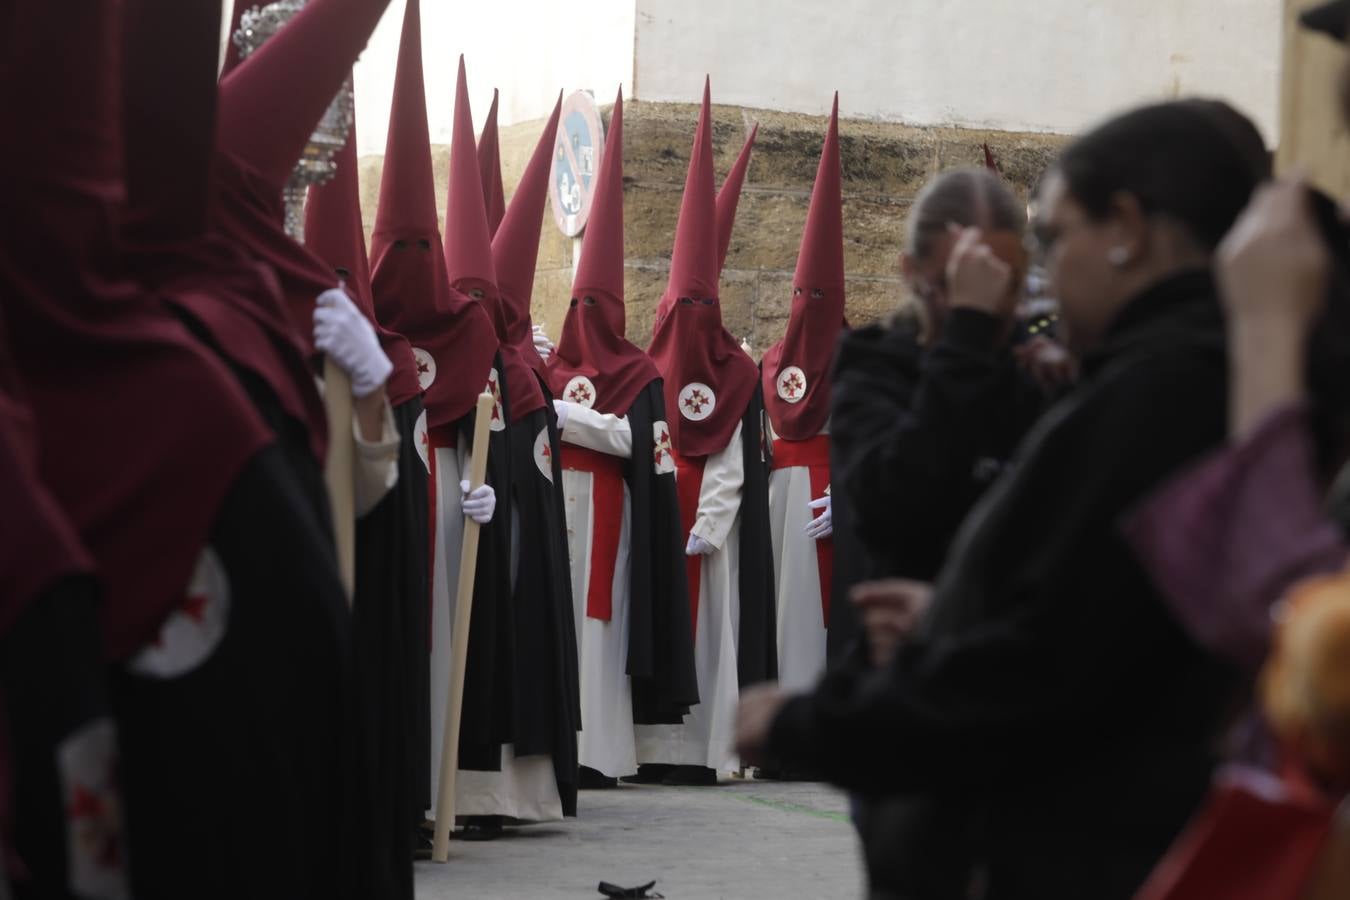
{"points": [[797, 368], [709, 379], [103, 364], [333, 231], [515, 246], [169, 116], [594, 364], [269, 106], [452, 339], [729, 197], [468, 254], [490, 170]]}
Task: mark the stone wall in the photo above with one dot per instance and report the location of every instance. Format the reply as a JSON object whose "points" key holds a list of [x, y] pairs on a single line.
{"points": [[884, 166]]}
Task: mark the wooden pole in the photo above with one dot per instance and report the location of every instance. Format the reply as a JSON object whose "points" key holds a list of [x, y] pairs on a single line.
{"points": [[340, 469], [454, 704]]}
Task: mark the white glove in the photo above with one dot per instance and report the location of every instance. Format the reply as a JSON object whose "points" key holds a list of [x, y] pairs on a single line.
{"points": [[542, 345], [822, 526], [564, 410], [698, 546], [342, 332], [478, 504]]}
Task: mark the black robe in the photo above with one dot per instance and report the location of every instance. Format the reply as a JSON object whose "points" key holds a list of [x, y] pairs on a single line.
{"points": [[757, 640], [660, 633], [238, 774], [389, 623], [51, 687], [1049, 675], [547, 685]]}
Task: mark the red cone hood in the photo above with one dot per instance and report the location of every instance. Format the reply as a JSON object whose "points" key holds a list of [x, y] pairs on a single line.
{"points": [[729, 197], [490, 170], [594, 364], [453, 342], [515, 248], [709, 379], [334, 232], [796, 370]]}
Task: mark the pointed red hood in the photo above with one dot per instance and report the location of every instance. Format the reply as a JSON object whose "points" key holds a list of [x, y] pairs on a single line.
{"points": [[453, 341], [99, 355], [729, 197], [796, 370], [989, 162], [594, 364], [490, 169], [269, 106], [515, 248], [709, 379], [169, 116], [334, 232], [468, 254]]}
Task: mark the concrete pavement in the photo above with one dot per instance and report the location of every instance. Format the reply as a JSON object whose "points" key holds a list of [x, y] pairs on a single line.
{"points": [[741, 840]]}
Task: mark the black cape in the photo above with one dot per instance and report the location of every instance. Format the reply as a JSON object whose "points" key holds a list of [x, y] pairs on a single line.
{"points": [[660, 633], [389, 619], [547, 684], [1049, 674], [757, 648]]}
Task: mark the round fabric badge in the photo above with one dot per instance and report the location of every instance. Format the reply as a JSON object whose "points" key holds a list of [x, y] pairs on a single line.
{"points": [[697, 401], [543, 454], [498, 421], [426, 368], [192, 632], [421, 442], [581, 391], [792, 384], [663, 458]]}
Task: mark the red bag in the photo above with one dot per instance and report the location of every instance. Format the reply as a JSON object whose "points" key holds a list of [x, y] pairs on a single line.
{"points": [[1258, 837]]}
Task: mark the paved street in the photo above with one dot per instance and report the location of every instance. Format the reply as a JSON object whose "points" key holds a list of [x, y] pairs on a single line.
{"points": [[742, 840]]}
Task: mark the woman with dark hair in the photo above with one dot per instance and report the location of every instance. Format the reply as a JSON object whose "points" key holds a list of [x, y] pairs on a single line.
{"points": [[1047, 675]]}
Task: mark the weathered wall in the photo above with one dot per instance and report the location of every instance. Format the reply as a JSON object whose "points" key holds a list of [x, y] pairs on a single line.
{"points": [[884, 165], [1010, 65]]}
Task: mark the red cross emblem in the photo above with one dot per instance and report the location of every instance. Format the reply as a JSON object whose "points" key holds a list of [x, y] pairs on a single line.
{"points": [[792, 384], [426, 368], [662, 456], [498, 422], [581, 391], [697, 401]]}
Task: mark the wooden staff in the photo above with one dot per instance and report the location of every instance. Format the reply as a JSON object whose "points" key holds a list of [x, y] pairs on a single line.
{"points": [[1311, 134], [340, 469], [454, 703]]}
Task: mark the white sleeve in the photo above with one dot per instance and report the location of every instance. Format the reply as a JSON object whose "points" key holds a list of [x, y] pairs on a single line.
{"points": [[376, 467], [719, 499], [602, 432]]}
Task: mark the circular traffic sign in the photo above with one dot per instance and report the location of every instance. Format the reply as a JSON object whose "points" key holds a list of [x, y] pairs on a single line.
{"points": [[576, 162]]}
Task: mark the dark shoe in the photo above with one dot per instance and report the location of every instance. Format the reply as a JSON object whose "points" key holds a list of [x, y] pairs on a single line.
{"points": [[768, 773], [650, 773], [591, 780], [691, 776], [481, 828]]}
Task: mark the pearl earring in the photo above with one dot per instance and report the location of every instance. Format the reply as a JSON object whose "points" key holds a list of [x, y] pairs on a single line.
{"points": [[1118, 256]]}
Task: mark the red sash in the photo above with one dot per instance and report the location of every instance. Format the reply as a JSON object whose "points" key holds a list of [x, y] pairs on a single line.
{"points": [[439, 437], [812, 454], [688, 486], [606, 523]]}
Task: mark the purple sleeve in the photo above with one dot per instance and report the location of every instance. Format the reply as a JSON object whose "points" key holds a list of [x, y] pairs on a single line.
{"points": [[1227, 538]]}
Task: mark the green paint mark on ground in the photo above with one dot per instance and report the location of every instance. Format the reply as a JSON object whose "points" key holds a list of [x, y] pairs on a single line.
{"points": [[783, 806]]}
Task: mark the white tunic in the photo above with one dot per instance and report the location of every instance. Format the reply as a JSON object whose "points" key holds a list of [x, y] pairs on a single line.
{"points": [[796, 573], [525, 788], [706, 736], [606, 742]]}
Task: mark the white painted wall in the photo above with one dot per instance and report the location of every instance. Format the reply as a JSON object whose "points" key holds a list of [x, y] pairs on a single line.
{"points": [[1017, 65], [529, 49]]}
